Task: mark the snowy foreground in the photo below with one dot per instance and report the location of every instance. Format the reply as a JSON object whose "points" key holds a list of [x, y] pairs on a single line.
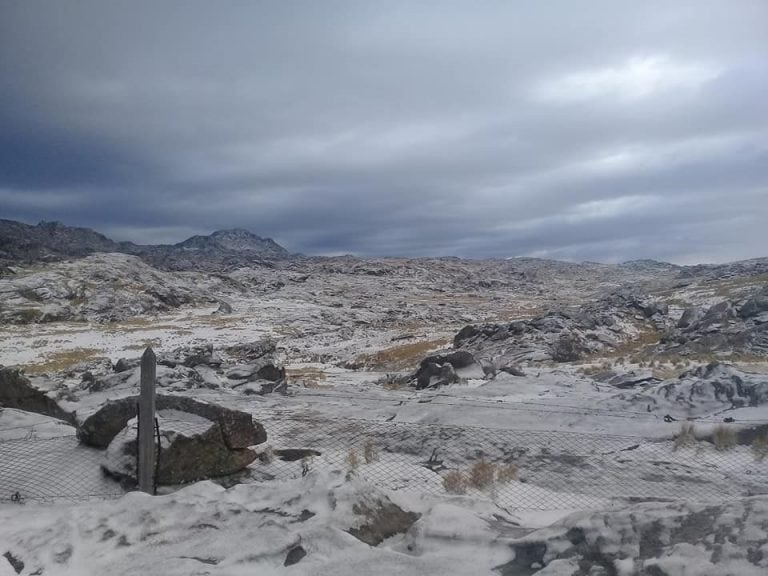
{"points": [[593, 440], [265, 528]]}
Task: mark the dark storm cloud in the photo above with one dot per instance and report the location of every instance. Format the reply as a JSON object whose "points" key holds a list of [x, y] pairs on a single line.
{"points": [[605, 131]]}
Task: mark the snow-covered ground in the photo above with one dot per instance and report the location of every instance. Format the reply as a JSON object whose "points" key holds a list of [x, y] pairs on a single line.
{"points": [[578, 442]]}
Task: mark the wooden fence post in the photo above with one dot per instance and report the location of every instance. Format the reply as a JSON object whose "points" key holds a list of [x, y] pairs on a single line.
{"points": [[146, 462]]}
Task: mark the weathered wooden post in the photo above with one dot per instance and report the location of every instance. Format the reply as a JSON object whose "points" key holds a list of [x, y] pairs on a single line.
{"points": [[146, 462]]}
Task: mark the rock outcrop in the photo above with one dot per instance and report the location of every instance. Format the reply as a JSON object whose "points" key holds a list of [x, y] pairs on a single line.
{"points": [[192, 448], [16, 391], [567, 335], [238, 430], [655, 539]]}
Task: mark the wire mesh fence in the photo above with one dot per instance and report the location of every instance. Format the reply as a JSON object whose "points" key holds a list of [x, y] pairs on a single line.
{"points": [[518, 469], [521, 469], [52, 469]]}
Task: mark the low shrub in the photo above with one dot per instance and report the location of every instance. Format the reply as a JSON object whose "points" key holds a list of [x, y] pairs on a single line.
{"points": [[370, 452], [686, 437], [482, 474], [760, 447], [352, 460], [506, 473], [724, 437], [455, 482]]}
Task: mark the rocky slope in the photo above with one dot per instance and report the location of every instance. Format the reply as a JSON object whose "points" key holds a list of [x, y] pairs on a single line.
{"points": [[53, 241]]}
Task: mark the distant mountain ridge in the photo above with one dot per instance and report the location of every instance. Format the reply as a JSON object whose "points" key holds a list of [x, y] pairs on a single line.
{"points": [[230, 249], [52, 241]]}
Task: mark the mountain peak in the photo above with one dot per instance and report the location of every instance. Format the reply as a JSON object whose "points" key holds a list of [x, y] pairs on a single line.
{"points": [[235, 240]]}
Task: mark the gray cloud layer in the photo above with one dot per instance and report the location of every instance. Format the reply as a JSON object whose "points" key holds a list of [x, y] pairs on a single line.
{"points": [[607, 131]]}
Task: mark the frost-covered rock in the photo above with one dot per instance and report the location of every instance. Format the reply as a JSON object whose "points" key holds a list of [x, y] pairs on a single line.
{"points": [[191, 448], [567, 334], [238, 429], [654, 539], [702, 391], [17, 391]]}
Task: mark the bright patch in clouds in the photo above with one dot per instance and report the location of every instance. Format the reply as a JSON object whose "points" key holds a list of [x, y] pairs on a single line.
{"points": [[612, 207], [637, 78]]}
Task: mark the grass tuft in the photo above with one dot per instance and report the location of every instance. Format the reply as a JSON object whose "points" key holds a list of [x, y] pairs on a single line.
{"points": [[401, 357], [482, 474], [724, 437], [59, 361], [686, 437], [506, 473], [352, 460], [760, 447], [455, 482], [370, 452]]}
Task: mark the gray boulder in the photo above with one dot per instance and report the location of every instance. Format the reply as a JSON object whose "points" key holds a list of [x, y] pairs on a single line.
{"points": [[718, 314], [257, 371], [690, 317], [458, 359], [443, 369], [224, 308], [379, 520], [192, 448], [755, 306], [568, 348], [123, 365], [238, 429]]}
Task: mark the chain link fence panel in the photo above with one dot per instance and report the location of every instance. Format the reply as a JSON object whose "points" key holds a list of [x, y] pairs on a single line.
{"points": [[517, 469]]}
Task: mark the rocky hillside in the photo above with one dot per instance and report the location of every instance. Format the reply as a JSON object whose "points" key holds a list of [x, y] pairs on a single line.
{"points": [[50, 241], [53, 241]]}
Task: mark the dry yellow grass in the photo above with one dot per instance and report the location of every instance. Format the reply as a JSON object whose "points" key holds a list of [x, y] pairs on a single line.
{"points": [[306, 377], [646, 337], [370, 452], [727, 288], [153, 342], [401, 357], [760, 447], [482, 474], [58, 361], [686, 437], [352, 460], [506, 473], [724, 437], [455, 482], [217, 321]]}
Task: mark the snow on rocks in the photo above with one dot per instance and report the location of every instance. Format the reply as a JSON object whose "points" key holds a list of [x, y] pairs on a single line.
{"points": [[17, 391], [701, 391], [100, 426], [659, 539], [101, 287], [191, 448]]}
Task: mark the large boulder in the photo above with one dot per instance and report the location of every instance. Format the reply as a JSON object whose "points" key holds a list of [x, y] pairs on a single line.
{"points": [[718, 314], [568, 348], [433, 375], [443, 369], [238, 429], [690, 317], [191, 448], [458, 359], [380, 518], [755, 305], [257, 371]]}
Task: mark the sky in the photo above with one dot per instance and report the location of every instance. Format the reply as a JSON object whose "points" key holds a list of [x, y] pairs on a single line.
{"points": [[602, 130]]}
